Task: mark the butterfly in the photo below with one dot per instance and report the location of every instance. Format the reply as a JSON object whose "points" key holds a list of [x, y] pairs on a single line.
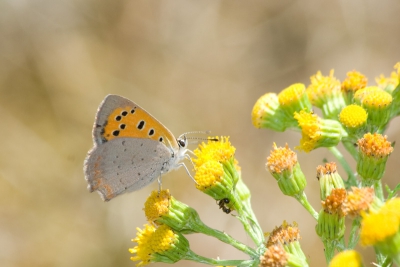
{"points": [[131, 149]]}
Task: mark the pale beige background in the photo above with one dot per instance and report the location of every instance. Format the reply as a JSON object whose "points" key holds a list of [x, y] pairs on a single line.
{"points": [[194, 65]]}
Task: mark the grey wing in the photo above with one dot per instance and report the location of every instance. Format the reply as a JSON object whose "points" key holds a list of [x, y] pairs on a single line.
{"points": [[124, 164]]}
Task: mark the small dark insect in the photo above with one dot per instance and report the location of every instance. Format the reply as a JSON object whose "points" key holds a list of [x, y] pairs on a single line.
{"points": [[222, 205]]}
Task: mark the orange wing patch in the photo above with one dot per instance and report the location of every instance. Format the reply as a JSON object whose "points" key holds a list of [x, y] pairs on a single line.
{"points": [[134, 122]]}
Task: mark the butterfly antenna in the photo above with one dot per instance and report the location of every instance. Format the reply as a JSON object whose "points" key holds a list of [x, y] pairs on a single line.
{"points": [[195, 132], [198, 138]]}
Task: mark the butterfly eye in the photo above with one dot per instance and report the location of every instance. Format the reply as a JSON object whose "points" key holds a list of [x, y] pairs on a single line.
{"points": [[181, 142]]}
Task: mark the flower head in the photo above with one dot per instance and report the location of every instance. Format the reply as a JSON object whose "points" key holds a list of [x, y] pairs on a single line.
{"points": [[386, 239], [354, 119], [377, 103], [160, 244], [389, 84], [317, 132], [143, 250], [288, 236], [218, 174], [331, 219], [157, 205], [274, 256], [358, 200], [220, 151], [353, 82], [325, 93], [293, 99], [329, 179], [348, 258], [284, 167], [335, 202], [267, 113], [374, 150], [163, 209]]}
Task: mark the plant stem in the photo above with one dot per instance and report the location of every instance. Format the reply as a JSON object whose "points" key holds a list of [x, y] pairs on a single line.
{"points": [[197, 258], [351, 177], [302, 198], [354, 237], [379, 190], [329, 250], [224, 237], [351, 149]]}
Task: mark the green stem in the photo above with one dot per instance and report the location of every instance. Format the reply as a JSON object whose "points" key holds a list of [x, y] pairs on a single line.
{"points": [[255, 236], [302, 198], [351, 177], [197, 258], [387, 262], [351, 149], [378, 190], [224, 237], [354, 236], [243, 193], [329, 250], [380, 258]]}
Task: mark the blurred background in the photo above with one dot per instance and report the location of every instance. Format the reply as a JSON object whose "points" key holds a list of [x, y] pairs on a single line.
{"points": [[194, 65]]}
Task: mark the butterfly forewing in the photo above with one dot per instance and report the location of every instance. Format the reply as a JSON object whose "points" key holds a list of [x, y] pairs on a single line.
{"points": [[119, 117]]}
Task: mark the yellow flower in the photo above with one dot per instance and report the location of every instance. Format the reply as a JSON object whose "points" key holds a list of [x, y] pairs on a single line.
{"points": [[328, 178], [281, 159], [353, 117], [381, 229], [335, 202], [331, 219], [317, 132], [354, 82], [220, 151], [274, 256], [294, 98], [390, 83], [208, 174], [266, 113], [160, 244], [143, 250], [359, 199], [322, 87], [375, 145], [374, 150], [284, 167], [162, 239], [284, 234], [372, 231], [157, 205], [325, 93], [378, 104], [348, 258]]}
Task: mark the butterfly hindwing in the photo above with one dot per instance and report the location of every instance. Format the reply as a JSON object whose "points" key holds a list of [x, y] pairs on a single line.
{"points": [[125, 164]]}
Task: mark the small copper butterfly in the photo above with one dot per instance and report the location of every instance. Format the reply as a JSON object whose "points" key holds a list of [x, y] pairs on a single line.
{"points": [[131, 149]]}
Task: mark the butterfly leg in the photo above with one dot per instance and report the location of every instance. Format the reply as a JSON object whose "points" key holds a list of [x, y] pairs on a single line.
{"points": [[159, 184], [184, 166], [190, 159]]}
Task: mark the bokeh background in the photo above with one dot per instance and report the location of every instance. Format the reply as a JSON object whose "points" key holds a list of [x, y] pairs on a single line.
{"points": [[194, 65]]}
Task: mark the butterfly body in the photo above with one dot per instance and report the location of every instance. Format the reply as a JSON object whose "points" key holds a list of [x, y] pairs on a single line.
{"points": [[131, 149]]}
